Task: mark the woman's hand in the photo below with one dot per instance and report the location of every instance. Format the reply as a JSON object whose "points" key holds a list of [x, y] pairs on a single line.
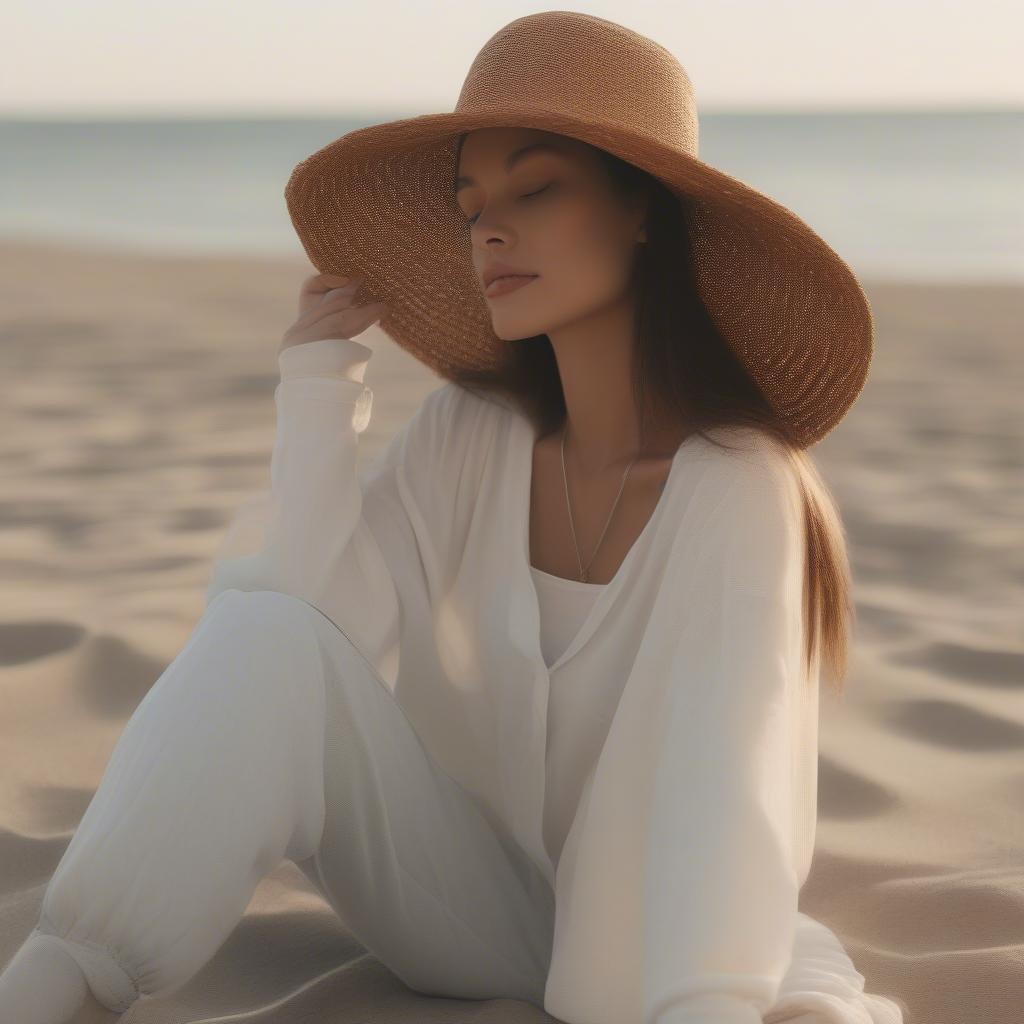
{"points": [[326, 311]]}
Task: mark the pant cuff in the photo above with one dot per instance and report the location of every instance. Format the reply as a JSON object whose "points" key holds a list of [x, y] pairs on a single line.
{"points": [[106, 975]]}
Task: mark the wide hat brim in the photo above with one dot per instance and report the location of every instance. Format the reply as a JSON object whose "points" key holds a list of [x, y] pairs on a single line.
{"points": [[379, 203]]}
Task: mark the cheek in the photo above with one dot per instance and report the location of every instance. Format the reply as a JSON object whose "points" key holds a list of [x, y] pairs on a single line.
{"points": [[586, 257]]}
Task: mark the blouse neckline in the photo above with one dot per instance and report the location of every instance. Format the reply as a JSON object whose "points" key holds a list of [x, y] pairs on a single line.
{"points": [[525, 435]]}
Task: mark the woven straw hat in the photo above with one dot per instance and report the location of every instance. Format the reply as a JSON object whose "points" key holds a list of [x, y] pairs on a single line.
{"points": [[379, 203]]}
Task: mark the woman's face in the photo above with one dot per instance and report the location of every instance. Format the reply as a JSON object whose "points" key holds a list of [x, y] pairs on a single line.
{"points": [[550, 212]]}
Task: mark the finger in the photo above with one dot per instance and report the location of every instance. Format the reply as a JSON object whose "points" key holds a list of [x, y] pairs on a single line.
{"points": [[350, 322], [347, 291], [314, 278], [325, 282], [314, 288], [339, 315], [319, 306]]}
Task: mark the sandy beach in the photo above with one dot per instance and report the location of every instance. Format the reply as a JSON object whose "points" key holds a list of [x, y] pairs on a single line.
{"points": [[139, 414]]}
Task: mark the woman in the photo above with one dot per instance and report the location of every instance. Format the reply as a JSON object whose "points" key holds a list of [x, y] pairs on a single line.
{"points": [[533, 699]]}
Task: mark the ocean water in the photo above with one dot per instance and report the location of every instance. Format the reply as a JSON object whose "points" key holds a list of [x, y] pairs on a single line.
{"points": [[926, 196]]}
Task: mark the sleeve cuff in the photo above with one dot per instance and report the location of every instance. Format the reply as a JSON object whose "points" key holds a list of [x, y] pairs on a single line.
{"points": [[328, 357]]}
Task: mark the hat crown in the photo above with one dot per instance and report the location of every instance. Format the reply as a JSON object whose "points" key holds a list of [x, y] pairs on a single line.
{"points": [[566, 62]]}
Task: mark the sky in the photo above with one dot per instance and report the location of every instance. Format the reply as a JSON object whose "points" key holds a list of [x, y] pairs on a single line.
{"points": [[287, 57]]}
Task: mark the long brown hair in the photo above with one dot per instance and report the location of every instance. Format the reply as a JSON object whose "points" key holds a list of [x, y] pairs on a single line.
{"points": [[684, 365]]}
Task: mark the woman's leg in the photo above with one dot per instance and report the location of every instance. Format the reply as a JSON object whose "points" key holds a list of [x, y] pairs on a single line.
{"points": [[270, 736], [42, 984], [408, 860], [217, 775]]}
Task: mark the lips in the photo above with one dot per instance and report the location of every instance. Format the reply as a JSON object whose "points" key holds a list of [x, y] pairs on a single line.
{"points": [[496, 268], [507, 283]]}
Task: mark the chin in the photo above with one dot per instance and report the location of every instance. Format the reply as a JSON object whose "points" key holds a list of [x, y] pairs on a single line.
{"points": [[515, 325], [519, 315], [516, 328]]}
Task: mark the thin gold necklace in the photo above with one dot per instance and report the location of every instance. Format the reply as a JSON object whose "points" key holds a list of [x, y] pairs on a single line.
{"points": [[585, 573]]}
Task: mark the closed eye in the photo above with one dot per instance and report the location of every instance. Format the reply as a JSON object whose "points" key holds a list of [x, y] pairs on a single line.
{"points": [[528, 195], [537, 193]]}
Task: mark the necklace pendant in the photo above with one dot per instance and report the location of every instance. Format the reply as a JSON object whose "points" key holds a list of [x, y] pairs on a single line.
{"points": [[585, 578]]}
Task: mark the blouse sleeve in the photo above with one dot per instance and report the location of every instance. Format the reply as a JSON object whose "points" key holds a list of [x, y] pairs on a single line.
{"points": [[710, 781], [307, 534], [723, 850]]}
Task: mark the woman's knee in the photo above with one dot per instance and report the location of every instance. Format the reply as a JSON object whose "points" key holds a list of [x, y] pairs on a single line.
{"points": [[270, 611], [259, 633], [264, 611]]}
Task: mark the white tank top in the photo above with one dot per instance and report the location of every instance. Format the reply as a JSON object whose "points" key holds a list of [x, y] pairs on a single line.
{"points": [[564, 604]]}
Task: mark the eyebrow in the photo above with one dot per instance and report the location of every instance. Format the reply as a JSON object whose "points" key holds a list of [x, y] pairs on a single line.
{"points": [[512, 159]]}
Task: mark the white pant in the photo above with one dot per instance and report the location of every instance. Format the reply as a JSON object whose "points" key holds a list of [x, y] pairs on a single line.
{"points": [[271, 736]]}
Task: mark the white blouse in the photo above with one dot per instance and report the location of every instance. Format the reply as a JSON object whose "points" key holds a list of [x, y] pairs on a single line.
{"points": [[682, 700]]}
